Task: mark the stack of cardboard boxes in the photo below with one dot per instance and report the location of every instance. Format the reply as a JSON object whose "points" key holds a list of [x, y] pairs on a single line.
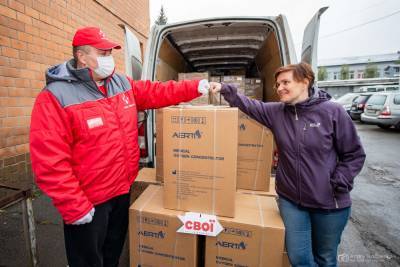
{"points": [[202, 100], [251, 87], [254, 88], [217, 161]]}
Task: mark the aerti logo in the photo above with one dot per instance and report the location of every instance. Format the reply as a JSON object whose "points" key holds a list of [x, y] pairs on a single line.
{"points": [[158, 235], [188, 135], [239, 246]]}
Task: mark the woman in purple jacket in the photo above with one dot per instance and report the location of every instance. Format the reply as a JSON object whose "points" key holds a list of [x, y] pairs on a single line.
{"points": [[319, 155]]}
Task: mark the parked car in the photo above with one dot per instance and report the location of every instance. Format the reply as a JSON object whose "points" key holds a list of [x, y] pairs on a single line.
{"points": [[346, 100], [383, 109], [357, 107]]}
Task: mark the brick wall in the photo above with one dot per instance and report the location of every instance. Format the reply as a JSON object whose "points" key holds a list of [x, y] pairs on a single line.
{"points": [[35, 34]]}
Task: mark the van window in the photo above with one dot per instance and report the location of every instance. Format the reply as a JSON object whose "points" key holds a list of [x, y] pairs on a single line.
{"points": [[377, 100], [396, 99]]}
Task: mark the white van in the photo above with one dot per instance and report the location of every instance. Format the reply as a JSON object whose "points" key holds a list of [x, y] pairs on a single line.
{"points": [[254, 45]]}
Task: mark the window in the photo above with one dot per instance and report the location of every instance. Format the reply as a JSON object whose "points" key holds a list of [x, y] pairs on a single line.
{"points": [[363, 98], [396, 99], [351, 74], [335, 75], [377, 100], [360, 74], [392, 88]]}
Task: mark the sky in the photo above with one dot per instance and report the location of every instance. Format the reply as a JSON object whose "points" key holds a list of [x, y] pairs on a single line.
{"points": [[348, 28]]}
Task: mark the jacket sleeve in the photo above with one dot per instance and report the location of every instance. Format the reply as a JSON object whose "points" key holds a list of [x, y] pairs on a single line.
{"points": [[152, 95], [258, 110], [351, 155], [50, 148]]}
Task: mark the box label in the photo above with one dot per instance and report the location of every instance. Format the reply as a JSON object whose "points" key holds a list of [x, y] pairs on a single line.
{"points": [[200, 224]]}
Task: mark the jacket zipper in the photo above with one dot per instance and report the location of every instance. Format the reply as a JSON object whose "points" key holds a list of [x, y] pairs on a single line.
{"points": [[298, 156], [334, 198]]}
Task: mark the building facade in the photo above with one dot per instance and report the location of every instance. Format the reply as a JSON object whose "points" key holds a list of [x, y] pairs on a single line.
{"points": [[385, 66], [35, 34]]}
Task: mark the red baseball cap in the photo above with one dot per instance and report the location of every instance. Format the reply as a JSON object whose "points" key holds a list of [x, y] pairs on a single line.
{"points": [[93, 36]]}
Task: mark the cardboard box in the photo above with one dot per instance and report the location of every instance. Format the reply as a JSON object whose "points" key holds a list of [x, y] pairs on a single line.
{"points": [[159, 146], [254, 88], [254, 238], [200, 157], [237, 80], [271, 192], [285, 260], [215, 79], [255, 152], [146, 177], [153, 239], [193, 76], [202, 100]]}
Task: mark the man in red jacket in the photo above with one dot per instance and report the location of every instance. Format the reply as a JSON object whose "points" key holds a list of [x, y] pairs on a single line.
{"points": [[84, 144]]}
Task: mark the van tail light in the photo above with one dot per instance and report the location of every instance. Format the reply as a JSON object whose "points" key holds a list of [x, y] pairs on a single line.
{"points": [[142, 119], [361, 106], [386, 111]]}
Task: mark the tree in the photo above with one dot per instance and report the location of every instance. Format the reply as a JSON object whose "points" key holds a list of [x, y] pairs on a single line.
{"points": [[344, 72], [371, 70], [162, 18], [322, 74]]}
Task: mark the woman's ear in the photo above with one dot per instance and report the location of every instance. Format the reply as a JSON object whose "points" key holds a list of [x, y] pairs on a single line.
{"points": [[306, 83]]}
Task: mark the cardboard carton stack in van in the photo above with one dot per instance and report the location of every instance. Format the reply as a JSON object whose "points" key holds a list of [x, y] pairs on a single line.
{"points": [[202, 100], [254, 88], [208, 153]]}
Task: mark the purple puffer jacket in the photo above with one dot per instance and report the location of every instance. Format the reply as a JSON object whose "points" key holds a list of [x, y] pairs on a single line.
{"points": [[320, 152]]}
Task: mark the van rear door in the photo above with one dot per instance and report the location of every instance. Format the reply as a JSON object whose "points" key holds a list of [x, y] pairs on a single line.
{"points": [[133, 68], [286, 44], [310, 40]]}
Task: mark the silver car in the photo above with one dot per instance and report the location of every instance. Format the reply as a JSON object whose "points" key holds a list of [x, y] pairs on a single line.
{"points": [[383, 109]]}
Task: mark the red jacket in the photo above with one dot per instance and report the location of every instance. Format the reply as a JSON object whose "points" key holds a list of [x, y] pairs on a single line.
{"points": [[83, 143]]}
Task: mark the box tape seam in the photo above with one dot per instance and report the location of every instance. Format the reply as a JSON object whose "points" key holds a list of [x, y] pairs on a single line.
{"points": [[258, 159], [140, 223], [262, 234]]}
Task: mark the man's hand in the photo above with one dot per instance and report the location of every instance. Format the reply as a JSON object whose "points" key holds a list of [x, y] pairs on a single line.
{"points": [[206, 87], [215, 87], [85, 219]]}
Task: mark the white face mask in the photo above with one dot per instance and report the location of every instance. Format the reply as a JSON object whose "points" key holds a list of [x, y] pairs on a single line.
{"points": [[106, 66]]}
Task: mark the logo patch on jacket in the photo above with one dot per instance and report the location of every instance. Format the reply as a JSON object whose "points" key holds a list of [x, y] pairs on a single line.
{"points": [[95, 122], [126, 100], [315, 124]]}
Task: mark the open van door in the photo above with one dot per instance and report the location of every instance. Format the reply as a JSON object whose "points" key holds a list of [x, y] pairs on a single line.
{"points": [[310, 41], [133, 68], [133, 55], [287, 45]]}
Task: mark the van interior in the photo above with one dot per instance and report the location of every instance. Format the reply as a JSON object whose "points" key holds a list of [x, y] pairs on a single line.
{"points": [[224, 48]]}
